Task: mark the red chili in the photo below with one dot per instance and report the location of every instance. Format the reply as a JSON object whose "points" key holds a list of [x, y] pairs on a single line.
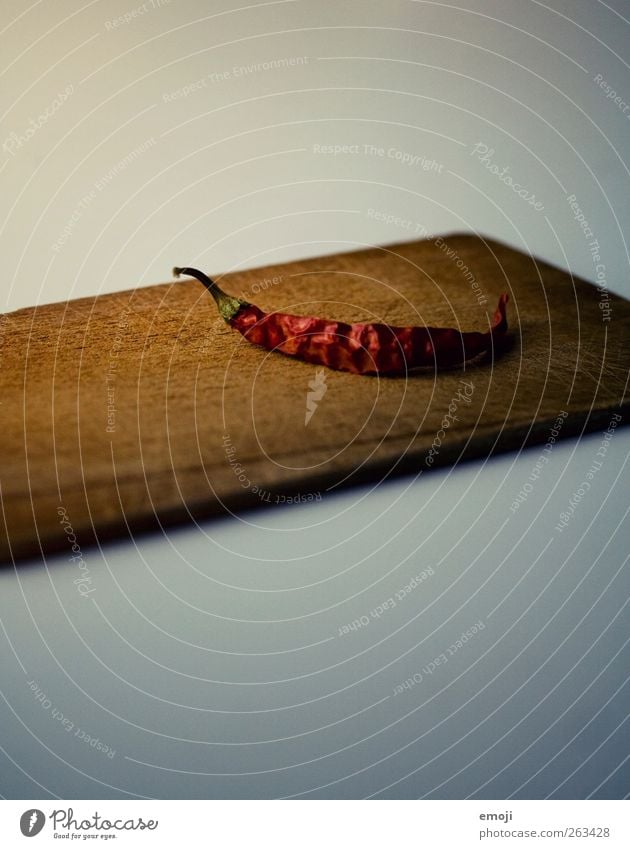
{"points": [[359, 348]]}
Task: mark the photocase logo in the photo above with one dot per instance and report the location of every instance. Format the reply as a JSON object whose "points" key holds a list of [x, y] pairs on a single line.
{"points": [[32, 822], [318, 389]]}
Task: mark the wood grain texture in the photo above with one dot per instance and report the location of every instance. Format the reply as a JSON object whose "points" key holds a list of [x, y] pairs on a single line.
{"points": [[143, 406]]}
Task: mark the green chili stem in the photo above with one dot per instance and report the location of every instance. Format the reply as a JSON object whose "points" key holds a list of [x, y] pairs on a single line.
{"points": [[228, 306]]}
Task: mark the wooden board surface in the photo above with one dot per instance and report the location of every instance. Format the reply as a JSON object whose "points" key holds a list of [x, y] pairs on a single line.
{"points": [[125, 409]]}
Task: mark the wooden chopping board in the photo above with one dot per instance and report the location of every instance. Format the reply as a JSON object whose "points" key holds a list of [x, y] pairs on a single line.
{"points": [[124, 410]]}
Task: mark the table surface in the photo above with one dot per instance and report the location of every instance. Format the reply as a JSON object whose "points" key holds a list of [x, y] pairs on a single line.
{"points": [[123, 410]]}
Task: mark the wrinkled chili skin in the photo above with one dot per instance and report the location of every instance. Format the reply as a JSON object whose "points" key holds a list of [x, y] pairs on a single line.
{"points": [[358, 348], [365, 348]]}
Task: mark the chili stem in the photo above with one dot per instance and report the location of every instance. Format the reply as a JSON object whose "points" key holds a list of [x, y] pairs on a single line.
{"points": [[228, 306]]}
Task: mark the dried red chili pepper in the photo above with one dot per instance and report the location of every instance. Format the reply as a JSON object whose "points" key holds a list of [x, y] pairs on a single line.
{"points": [[359, 348]]}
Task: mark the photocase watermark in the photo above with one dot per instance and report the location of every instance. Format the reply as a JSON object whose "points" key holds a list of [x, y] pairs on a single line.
{"points": [[317, 389], [441, 659], [464, 395], [261, 285], [98, 186], [137, 12], [484, 154], [567, 514], [536, 472], [77, 214], [594, 249], [404, 157], [32, 822], [14, 141], [578, 215], [83, 582], [112, 369], [600, 272], [265, 495], [124, 163], [4, 320], [236, 72], [611, 94], [67, 724], [65, 820], [266, 283], [397, 221], [388, 604], [459, 262]]}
